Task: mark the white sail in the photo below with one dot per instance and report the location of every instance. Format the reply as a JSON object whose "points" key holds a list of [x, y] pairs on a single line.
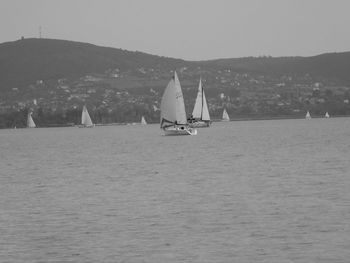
{"points": [[85, 117], [172, 106], [30, 122], [143, 121], [308, 116], [200, 110], [326, 115], [225, 116]]}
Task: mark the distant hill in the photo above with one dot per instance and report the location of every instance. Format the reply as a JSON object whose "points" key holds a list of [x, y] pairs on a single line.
{"points": [[334, 66], [24, 61], [121, 86]]}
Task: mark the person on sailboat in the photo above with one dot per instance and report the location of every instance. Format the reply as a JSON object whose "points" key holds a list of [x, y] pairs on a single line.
{"points": [[191, 119]]}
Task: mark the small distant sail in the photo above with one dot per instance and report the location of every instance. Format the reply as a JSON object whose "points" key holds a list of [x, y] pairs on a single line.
{"points": [[225, 116], [326, 115], [30, 122], [143, 121], [85, 118], [308, 116]]}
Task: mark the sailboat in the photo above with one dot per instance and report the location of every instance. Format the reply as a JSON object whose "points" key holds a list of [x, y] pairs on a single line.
{"points": [[225, 116], [308, 116], [173, 119], [326, 115], [200, 116], [143, 121], [85, 119], [30, 122]]}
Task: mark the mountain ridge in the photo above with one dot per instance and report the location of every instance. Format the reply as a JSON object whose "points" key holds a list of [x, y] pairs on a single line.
{"points": [[24, 61], [55, 78], [27, 60]]}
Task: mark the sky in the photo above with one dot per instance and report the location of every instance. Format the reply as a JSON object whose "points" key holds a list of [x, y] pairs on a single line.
{"points": [[187, 29]]}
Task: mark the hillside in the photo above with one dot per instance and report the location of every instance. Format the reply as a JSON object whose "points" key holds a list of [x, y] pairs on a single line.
{"points": [[24, 61], [55, 78], [333, 66]]}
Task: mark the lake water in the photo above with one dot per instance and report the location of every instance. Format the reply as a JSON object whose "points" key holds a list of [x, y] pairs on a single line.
{"points": [[248, 191]]}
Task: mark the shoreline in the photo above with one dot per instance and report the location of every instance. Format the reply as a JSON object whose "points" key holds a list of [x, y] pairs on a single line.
{"points": [[252, 118]]}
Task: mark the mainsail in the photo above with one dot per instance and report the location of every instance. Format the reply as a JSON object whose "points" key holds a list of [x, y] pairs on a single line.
{"points": [[30, 122], [225, 116], [143, 121], [85, 117], [200, 110], [308, 116], [172, 106]]}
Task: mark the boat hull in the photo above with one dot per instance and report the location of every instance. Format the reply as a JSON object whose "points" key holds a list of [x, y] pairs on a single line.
{"points": [[86, 126], [179, 130], [200, 124]]}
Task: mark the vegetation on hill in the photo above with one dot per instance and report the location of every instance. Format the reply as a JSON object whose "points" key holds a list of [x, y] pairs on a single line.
{"points": [[333, 66], [55, 78], [22, 62]]}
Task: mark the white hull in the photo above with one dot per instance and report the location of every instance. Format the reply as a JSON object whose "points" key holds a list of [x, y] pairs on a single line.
{"points": [[179, 130], [199, 124], [86, 126]]}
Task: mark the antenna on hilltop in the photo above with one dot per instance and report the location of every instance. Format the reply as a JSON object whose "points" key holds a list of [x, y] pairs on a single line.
{"points": [[39, 31]]}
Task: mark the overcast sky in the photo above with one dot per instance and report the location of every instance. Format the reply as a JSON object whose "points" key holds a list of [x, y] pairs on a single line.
{"points": [[188, 29]]}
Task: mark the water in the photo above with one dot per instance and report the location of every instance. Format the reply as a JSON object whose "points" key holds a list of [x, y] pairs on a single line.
{"points": [[252, 191]]}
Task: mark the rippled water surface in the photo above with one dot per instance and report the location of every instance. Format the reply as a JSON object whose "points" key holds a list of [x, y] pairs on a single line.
{"points": [[250, 191]]}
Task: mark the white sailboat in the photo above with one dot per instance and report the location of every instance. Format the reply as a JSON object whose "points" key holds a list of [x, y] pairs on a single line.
{"points": [[200, 116], [30, 122], [143, 121], [225, 116], [173, 119], [326, 115], [85, 119], [308, 116]]}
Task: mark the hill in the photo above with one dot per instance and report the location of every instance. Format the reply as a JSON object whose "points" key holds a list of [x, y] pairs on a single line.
{"points": [[333, 66], [24, 61], [55, 78]]}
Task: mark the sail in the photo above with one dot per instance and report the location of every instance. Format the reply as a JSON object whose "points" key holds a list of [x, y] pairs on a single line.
{"points": [[205, 113], [143, 121], [308, 116], [326, 115], [172, 106], [30, 122], [85, 117], [225, 116], [200, 110]]}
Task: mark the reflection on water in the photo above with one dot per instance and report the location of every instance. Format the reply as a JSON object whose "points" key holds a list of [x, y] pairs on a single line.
{"points": [[253, 191]]}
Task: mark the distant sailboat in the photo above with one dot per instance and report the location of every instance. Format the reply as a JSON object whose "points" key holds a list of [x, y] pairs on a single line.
{"points": [[326, 115], [200, 116], [143, 121], [225, 116], [85, 119], [308, 116], [30, 122], [173, 119]]}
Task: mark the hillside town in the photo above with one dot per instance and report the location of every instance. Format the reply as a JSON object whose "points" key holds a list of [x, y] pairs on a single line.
{"points": [[117, 96]]}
